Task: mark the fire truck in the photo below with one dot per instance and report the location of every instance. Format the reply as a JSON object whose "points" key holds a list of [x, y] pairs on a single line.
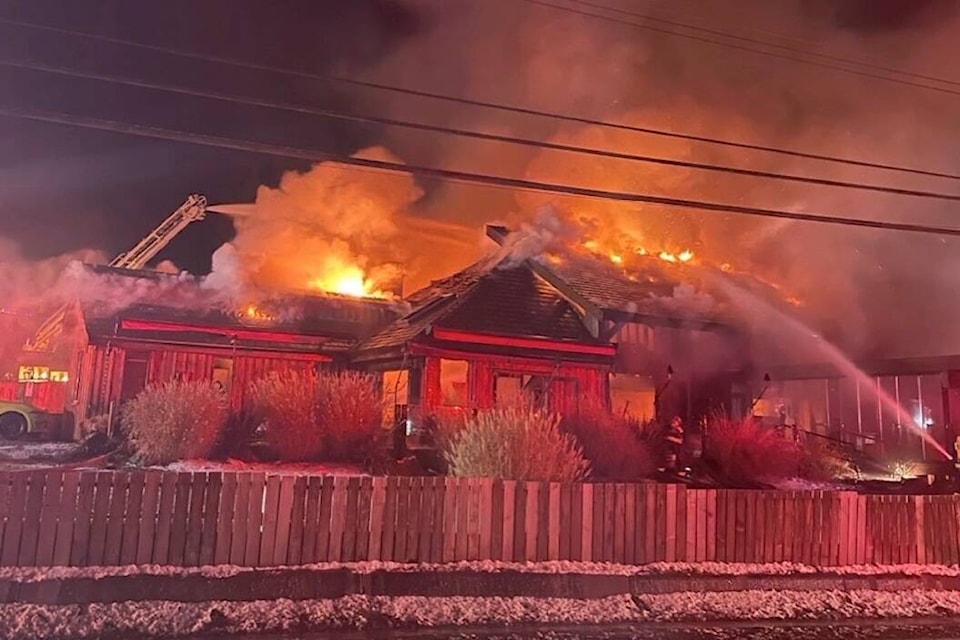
{"points": [[35, 405]]}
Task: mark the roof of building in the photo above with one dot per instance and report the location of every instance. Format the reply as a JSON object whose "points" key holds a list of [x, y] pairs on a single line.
{"points": [[489, 297], [654, 291], [178, 309]]}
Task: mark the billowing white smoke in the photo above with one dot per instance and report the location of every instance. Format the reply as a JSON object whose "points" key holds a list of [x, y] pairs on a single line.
{"points": [[332, 228]]}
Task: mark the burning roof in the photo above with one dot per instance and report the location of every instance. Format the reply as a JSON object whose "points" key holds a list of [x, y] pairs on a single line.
{"points": [[489, 297], [656, 289], [183, 309]]}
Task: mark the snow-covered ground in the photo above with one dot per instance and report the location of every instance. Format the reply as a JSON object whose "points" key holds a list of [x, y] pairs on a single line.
{"points": [[37, 452], [35, 574], [153, 619], [292, 468], [13, 450]]}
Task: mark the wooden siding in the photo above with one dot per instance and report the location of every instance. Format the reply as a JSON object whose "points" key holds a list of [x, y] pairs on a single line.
{"points": [[100, 375], [571, 383], [83, 518]]}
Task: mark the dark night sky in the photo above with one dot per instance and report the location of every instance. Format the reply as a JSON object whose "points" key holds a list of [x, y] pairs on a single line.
{"points": [[65, 188]]}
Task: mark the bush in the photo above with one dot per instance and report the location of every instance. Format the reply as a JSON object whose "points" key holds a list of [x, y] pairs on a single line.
{"points": [[614, 445], [516, 443], [747, 452], [821, 461], [175, 421], [320, 416]]}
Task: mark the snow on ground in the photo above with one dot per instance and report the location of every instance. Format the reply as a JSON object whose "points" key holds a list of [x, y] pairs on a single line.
{"points": [[291, 468], [800, 484], [153, 619], [36, 574], [22, 451]]}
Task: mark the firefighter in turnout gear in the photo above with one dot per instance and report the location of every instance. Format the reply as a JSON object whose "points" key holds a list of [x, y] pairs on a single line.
{"points": [[673, 444]]}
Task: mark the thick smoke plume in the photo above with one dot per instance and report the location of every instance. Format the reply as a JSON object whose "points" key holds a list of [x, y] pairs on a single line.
{"points": [[331, 228], [876, 293]]}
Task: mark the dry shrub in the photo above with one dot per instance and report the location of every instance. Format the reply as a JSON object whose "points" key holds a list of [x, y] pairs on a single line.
{"points": [[320, 416], [287, 402], [615, 445], [351, 410], [515, 443], [746, 452], [175, 421], [821, 461]]}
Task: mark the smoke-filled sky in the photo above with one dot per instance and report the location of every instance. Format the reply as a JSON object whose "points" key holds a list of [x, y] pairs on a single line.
{"points": [[67, 190]]}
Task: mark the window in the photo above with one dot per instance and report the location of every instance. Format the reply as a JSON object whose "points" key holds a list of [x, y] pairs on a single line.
{"points": [[223, 374], [632, 395], [396, 395], [453, 383], [515, 388], [134, 374]]}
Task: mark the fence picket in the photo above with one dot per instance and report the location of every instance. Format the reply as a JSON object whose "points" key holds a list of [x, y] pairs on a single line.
{"points": [[148, 517], [365, 504], [47, 534], [10, 551], [255, 508], [377, 504], [225, 519], [487, 522], [133, 513], [98, 524], [66, 518]]}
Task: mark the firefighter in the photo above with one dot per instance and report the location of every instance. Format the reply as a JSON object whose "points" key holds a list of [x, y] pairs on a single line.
{"points": [[674, 443]]}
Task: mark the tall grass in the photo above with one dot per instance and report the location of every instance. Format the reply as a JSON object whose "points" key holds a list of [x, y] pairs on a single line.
{"points": [[175, 421], [615, 445], [746, 452], [514, 443], [333, 416]]}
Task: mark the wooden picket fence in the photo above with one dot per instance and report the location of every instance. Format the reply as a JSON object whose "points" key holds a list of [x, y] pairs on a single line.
{"points": [[82, 518]]}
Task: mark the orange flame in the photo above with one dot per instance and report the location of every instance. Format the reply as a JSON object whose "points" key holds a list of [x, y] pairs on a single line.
{"points": [[349, 282], [616, 256]]}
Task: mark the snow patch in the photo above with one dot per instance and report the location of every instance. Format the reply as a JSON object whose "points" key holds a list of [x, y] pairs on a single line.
{"points": [[288, 468], [36, 574], [37, 451], [169, 619]]}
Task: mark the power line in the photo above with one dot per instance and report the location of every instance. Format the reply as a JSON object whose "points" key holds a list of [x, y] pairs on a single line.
{"points": [[451, 175], [467, 133], [729, 45], [485, 104], [765, 43]]}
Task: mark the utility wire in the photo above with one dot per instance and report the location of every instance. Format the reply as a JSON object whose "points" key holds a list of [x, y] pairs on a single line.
{"points": [[765, 43], [467, 133], [452, 175], [730, 45], [507, 108]]}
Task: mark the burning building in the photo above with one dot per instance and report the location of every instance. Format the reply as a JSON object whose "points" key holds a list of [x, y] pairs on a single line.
{"points": [[109, 352], [565, 329]]}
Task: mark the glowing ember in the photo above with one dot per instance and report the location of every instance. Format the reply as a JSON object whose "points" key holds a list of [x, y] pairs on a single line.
{"points": [[616, 259], [252, 312], [684, 256]]}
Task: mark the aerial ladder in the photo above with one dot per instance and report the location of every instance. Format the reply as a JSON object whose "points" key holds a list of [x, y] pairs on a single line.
{"points": [[192, 210]]}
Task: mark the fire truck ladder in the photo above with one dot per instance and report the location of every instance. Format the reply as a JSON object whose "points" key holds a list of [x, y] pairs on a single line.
{"points": [[193, 209]]}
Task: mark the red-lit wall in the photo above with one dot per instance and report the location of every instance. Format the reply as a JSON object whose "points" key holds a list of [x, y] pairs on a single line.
{"points": [[100, 380], [572, 385], [46, 396]]}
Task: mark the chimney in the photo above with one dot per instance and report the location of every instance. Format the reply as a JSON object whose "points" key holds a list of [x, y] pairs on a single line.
{"points": [[497, 233]]}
